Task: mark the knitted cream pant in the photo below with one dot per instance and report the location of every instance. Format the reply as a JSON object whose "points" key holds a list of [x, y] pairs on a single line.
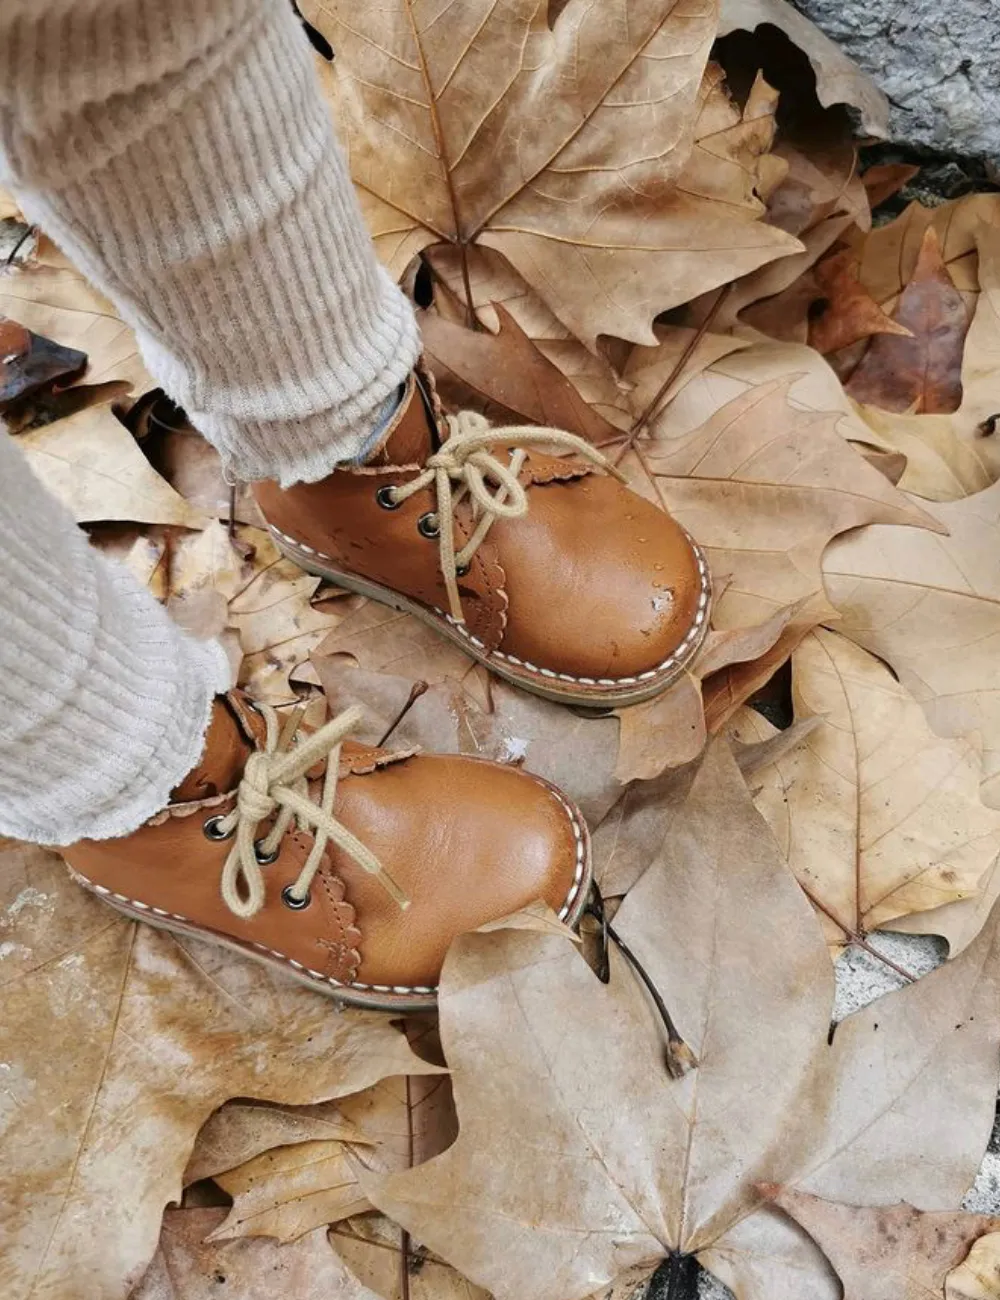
{"points": [[182, 155]]}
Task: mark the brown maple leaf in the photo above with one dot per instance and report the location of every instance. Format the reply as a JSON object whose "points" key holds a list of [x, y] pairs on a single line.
{"points": [[577, 1157], [149, 1034], [876, 815], [590, 204]]}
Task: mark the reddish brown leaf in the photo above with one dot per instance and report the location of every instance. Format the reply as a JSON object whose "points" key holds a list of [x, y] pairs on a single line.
{"points": [[506, 377], [845, 311], [922, 373]]}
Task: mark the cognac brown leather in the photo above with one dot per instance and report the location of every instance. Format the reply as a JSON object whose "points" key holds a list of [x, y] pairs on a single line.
{"points": [[468, 841], [595, 596]]}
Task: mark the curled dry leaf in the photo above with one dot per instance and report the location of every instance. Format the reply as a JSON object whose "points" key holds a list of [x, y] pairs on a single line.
{"points": [[591, 213], [29, 362], [546, 1058], [838, 79], [947, 456], [847, 311], [268, 603], [92, 464], [929, 605], [877, 816], [291, 1190], [242, 1130], [978, 1276], [190, 1265], [132, 1038], [891, 1252]]}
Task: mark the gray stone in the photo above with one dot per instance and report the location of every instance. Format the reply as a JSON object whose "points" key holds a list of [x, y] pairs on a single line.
{"points": [[939, 64]]}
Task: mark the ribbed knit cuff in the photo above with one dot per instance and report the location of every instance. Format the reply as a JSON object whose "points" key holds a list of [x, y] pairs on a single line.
{"points": [[104, 702], [199, 184]]}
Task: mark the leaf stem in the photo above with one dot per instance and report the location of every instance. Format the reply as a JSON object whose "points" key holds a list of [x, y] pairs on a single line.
{"points": [[416, 690]]}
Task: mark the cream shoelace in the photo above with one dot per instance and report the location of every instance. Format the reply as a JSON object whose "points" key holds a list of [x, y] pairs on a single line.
{"points": [[274, 781], [466, 461]]}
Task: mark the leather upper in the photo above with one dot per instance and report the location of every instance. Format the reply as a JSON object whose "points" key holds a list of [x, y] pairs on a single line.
{"points": [[594, 582], [467, 840]]}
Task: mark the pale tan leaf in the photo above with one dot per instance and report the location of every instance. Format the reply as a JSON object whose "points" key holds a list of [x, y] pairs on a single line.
{"points": [[48, 294], [666, 731], [371, 1247], [876, 815], [242, 1130], [978, 1276], [891, 1252], [838, 79], [929, 605], [92, 464], [189, 1265], [291, 1190], [120, 1042], [764, 487], [591, 215], [636, 1166]]}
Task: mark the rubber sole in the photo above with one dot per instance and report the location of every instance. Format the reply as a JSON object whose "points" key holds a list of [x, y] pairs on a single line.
{"points": [[542, 682], [371, 998]]}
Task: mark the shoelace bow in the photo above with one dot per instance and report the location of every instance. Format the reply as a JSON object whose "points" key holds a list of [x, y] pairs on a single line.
{"points": [[274, 782], [465, 459]]}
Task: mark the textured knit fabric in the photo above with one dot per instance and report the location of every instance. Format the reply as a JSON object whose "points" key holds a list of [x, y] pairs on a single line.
{"points": [[181, 152], [103, 700]]}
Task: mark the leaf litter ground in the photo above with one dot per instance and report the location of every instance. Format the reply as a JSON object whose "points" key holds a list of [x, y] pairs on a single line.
{"points": [[682, 267]]}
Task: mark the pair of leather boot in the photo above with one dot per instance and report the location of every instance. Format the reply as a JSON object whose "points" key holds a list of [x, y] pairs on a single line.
{"points": [[353, 868]]}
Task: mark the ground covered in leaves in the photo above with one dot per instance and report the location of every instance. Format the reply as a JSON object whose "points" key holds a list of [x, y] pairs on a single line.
{"points": [[683, 262]]}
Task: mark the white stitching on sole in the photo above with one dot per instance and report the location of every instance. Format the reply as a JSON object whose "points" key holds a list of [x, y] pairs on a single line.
{"points": [[564, 911], [680, 653]]}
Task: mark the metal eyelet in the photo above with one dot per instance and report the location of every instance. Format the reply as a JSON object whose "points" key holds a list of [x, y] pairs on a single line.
{"points": [[296, 904], [211, 829], [386, 497], [427, 525], [461, 570], [264, 859]]}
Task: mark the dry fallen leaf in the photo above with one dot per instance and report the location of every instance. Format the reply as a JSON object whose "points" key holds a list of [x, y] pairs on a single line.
{"points": [[291, 1190], [947, 456], [121, 1040], [265, 599], [876, 815], [978, 1276], [838, 79], [242, 1130], [929, 605], [891, 1252], [505, 376], [763, 488], [848, 311], [48, 295], [372, 1248], [635, 1165], [92, 464], [591, 205], [921, 373], [189, 1265]]}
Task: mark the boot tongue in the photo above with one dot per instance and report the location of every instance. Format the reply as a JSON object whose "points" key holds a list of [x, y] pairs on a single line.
{"points": [[228, 744], [412, 434]]}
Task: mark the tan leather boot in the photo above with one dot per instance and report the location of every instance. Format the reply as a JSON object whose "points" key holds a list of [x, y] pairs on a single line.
{"points": [[350, 868], [547, 569]]}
